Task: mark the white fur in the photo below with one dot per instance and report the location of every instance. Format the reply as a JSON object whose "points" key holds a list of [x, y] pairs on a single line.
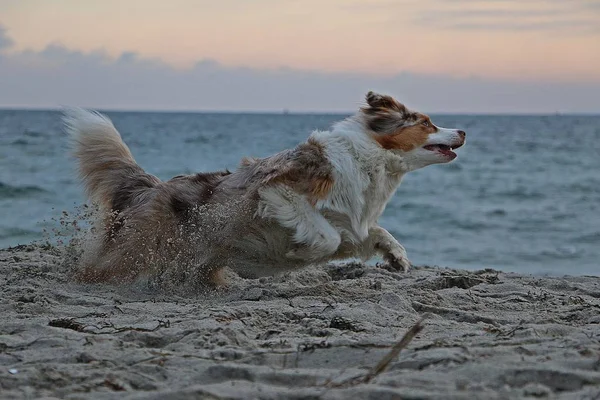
{"points": [[80, 123], [293, 211]]}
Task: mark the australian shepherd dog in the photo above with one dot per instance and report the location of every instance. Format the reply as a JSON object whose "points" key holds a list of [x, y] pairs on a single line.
{"points": [[317, 202]]}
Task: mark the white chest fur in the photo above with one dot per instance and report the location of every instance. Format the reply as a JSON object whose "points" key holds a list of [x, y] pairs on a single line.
{"points": [[365, 177]]}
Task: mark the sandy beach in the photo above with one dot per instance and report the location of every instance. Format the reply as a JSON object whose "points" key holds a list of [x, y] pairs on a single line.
{"points": [[315, 334]]}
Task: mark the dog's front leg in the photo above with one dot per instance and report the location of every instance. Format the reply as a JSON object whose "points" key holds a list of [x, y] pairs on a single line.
{"points": [[382, 242]]}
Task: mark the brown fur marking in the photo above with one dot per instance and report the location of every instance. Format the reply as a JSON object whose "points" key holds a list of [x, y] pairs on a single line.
{"points": [[321, 187], [405, 139], [188, 191], [307, 171]]}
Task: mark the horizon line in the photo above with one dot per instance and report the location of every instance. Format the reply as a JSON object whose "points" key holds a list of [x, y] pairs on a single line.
{"points": [[292, 112]]}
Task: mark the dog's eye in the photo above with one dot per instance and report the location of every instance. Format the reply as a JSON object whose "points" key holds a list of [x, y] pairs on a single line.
{"points": [[426, 123]]}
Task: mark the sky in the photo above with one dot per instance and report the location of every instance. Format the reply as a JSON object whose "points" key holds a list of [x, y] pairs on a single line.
{"points": [[450, 56]]}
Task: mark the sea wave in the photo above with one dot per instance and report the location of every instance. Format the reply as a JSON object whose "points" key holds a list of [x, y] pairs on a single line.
{"points": [[11, 191], [14, 232]]}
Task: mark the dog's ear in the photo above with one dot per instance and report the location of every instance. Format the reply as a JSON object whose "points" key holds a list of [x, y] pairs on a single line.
{"points": [[386, 115], [379, 101]]}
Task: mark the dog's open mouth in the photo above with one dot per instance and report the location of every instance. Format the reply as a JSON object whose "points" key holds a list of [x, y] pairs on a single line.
{"points": [[443, 149]]}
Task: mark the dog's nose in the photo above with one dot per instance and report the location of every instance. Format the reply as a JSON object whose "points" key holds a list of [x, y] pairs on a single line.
{"points": [[462, 133]]}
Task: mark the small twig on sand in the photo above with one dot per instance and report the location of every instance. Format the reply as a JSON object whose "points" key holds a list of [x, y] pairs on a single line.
{"points": [[161, 324], [385, 361]]}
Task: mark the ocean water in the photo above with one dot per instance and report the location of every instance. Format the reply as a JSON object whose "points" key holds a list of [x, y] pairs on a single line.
{"points": [[523, 195]]}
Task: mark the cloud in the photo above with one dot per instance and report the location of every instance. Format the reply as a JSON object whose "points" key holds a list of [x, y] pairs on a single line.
{"points": [[573, 26], [564, 17], [58, 76], [5, 40]]}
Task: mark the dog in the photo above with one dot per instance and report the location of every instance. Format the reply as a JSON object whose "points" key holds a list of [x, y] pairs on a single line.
{"points": [[309, 205]]}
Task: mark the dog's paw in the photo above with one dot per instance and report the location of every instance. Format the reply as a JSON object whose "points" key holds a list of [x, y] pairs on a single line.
{"points": [[397, 259]]}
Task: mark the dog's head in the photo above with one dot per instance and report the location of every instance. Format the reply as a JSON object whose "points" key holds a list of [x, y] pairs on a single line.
{"points": [[410, 134]]}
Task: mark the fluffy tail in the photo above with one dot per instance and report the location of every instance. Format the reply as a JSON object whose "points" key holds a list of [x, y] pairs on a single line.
{"points": [[111, 176]]}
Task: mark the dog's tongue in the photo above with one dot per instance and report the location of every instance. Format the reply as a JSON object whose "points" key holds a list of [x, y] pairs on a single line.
{"points": [[446, 150]]}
